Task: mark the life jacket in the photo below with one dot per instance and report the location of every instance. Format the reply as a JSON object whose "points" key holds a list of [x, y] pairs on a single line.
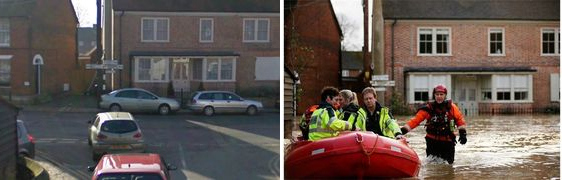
{"points": [[305, 120], [441, 122]]}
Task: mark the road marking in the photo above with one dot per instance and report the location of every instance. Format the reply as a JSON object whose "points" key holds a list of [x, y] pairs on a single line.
{"points": [[182, 156], [250, 138]]}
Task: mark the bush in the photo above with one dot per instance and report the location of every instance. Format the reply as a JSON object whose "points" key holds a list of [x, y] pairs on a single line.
{"points": [[398, 106]]}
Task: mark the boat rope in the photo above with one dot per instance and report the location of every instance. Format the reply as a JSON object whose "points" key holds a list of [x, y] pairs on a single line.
{"points": [[359, 140]]}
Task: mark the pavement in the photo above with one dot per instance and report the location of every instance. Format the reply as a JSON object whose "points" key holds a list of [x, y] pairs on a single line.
{"points": [[56, 170], [84, 104]]}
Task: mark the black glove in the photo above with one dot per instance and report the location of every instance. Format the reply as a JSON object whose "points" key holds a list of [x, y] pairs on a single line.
{"points": [[462, 136], [404, 130]]}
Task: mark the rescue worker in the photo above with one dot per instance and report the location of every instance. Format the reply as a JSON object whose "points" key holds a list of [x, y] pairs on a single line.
{"points": [[339, 104], [350, 111], [305, 121], [379, 119], [324, 122], [441, 117]]}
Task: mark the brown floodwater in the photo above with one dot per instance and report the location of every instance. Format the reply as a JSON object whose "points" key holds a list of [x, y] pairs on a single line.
{"points": [[498, 147]]}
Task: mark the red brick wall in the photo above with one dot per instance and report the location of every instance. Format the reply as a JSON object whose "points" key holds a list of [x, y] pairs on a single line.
{"points": [[318, 29], [470, 48], [184, 36]]}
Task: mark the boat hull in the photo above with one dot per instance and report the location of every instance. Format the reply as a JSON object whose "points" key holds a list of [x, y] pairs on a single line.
{"points": [[352, 155]]}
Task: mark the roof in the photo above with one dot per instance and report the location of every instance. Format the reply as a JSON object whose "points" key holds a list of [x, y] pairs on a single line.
{"points": [[183, 53], [86, 35], [469, 69], [115, 115], [472, 9], [252, 6], [11, 8], [133, 162], [352, 60]]}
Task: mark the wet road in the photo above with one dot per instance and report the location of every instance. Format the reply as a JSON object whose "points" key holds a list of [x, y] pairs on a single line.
{"points": [[498, 147]]}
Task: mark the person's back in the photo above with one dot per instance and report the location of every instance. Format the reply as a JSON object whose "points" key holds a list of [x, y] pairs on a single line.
{"points": [[324, 122]]}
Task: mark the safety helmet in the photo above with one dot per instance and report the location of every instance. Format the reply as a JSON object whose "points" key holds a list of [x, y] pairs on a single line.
{"points": [[440, 88]]}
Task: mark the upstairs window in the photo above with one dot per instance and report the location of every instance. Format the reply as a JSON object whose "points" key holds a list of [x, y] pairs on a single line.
{"points": [[256, 30], [4, 33], [434, 41], [155, 29], [496, 42], [550, 41], [206, 30]]}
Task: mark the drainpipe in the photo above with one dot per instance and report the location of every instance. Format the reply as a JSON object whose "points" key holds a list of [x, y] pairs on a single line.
{"points": [[392, 52], [120, 60]]}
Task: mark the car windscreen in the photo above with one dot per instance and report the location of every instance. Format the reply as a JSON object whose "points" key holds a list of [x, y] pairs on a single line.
{"points": [[129, 176], [119, 126]]}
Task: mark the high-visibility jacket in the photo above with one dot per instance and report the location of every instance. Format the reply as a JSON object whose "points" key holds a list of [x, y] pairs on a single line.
{"points": [[324, 123], [388, 125], [356, 117]]}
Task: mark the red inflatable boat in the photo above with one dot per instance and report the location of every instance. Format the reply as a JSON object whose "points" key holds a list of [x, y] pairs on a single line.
{"points": [[351, 155]]}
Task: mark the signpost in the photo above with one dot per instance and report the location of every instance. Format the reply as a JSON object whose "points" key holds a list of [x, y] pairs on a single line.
{"points": [[109, 66]]}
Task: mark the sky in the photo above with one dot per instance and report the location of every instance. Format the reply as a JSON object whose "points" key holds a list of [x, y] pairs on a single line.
{"points": [[350, 10], [86, 10]]}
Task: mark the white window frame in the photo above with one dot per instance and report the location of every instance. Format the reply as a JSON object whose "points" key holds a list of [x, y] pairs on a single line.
{"points": [[434, 42], [344, 73], [7, 58], [219, 78], [432, 81], [7, 23], [201, 30], [256, 28], [556, 41], [512, 89], [554, 87], [496, 30], [167, 70], [155, 29]]}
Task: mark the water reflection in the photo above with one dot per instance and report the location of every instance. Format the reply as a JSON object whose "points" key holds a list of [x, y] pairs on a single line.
{"points": [[498, 147]]}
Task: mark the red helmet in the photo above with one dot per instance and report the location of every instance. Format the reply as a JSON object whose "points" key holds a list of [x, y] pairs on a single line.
{"points": [[440, 88]]}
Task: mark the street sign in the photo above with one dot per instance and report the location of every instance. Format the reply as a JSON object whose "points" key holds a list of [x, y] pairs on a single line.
{"points": [[380, 77], [104, 66], [382, 83], [380, 89], [94, 66], [109, 71], [110, 62]]}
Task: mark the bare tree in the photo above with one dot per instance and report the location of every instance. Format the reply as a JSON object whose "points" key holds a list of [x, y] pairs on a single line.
{"points": [[348, 28], [81, 13]]}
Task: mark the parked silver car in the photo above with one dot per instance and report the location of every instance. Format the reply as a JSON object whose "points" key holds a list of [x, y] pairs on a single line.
{"points": [[26, 144], [114, 132], [136, 99], [210, 102]]}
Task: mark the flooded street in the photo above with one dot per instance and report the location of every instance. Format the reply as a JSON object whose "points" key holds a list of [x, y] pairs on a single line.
{"points": [[498, 147]]}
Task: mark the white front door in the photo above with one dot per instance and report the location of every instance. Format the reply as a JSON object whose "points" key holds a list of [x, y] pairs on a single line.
{"points": [[465, 95], [180, 74]]}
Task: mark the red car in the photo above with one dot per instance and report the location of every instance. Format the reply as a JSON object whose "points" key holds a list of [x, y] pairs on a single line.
{"points": [[131, 166]]}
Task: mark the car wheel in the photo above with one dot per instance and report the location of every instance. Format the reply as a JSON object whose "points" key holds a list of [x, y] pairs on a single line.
{"points": [[164, 109], [115, 108], [252, 110], [209, 111]]}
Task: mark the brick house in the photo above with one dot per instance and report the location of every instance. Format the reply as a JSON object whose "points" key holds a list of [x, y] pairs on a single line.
{"points": [[198, 45], [312, 48], [494, 56], [36, 32], [352, 71]]}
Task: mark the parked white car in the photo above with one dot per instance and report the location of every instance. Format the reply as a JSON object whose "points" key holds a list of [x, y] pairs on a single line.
{"points": [[139, 100], [211, 102]]}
